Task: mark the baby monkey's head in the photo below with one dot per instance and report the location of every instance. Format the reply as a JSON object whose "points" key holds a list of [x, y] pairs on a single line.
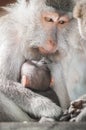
{"points": [[35, 75]]}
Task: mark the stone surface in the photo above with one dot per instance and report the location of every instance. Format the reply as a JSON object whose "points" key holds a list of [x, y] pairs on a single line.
{"points": [[47, 126]]}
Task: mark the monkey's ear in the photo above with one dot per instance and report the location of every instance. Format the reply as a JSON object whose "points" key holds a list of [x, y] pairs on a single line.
{"points": [[52, 82], [25, 81]]}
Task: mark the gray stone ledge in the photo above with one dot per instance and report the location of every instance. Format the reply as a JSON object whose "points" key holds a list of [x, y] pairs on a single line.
{"points": [[45, 126]]}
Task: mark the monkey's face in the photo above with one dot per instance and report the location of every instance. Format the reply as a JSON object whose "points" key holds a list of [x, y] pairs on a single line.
{"points": [[48, 25], [80, 14]]}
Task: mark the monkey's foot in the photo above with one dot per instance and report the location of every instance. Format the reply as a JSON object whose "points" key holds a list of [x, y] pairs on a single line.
{"points": [[45, 108]]}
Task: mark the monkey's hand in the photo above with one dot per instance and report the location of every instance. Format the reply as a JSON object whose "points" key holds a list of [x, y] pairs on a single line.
{"points": [[80, 117], [78, 109], [29, 101], [77, 104]]}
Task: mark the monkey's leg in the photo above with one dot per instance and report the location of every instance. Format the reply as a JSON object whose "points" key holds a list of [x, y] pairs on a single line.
{"points": [[29, 101], [9, 111]]}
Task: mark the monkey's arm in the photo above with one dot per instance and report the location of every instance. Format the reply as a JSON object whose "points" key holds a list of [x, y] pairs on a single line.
{"points": [[9, 111], [60, 85], [29, 101]]}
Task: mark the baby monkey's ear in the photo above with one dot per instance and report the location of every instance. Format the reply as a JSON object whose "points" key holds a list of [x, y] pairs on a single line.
{"points": [[25, 81], [52, 82]]}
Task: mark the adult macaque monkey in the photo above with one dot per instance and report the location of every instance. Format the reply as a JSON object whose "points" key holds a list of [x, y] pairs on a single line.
{"points": [[30, 30]]}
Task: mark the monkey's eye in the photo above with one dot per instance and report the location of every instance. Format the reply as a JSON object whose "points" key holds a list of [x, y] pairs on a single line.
{"points": [[47, 19], [61, 22]]}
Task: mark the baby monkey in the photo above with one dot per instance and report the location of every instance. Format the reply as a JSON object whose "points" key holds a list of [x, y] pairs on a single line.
{"points": [[80, 14], [36, 75]]}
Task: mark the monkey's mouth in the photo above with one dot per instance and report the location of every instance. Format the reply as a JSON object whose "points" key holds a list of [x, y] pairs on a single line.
{"points": [[47, 51]]}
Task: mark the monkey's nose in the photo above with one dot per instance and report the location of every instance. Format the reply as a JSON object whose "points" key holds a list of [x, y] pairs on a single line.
{"points": [[51, 46]]}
